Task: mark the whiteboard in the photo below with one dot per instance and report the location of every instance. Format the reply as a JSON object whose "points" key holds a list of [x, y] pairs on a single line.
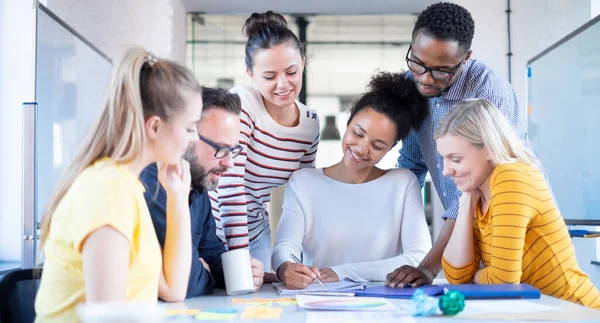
{"points": [[564, 119], [71, 78]]}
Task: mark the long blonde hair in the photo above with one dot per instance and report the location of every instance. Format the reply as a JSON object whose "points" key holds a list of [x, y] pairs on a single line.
{"points": [[482, 124], [141, 86]]}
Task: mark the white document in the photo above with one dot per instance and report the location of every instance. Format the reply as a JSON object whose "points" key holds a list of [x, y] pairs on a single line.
{"points": [[316, 287], [359, 317], [507, 306], [344, 303]]}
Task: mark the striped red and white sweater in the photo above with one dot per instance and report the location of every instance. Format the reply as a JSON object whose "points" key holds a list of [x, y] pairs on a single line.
{"points": [[271, 154]]}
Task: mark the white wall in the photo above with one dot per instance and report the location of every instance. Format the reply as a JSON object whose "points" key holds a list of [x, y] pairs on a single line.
{"points": [[594, 8], [536, 25], [17, 30], [114, 25], [490, 44]]}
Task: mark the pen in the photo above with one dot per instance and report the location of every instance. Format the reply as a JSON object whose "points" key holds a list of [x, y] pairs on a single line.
{"points": [[299, 262]]}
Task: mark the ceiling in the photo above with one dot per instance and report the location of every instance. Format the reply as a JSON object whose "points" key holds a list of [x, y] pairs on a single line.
{"points": [[308, 6], [388, 28]]}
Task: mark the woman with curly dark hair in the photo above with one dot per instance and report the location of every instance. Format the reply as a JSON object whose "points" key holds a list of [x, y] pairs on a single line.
{"points": [[354, 219]]}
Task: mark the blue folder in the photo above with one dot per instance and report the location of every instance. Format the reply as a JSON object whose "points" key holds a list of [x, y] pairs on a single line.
{"points": [[470, 291], [496, 291], [407, 292]]}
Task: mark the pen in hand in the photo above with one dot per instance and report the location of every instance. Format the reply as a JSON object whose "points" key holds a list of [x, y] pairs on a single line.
{"points": [[300, 262]]}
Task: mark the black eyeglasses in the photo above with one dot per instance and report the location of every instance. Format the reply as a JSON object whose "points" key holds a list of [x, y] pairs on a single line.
{"points": [[220, 151], [437, 74]]}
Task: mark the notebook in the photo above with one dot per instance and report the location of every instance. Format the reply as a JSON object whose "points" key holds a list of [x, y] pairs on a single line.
{"points": [[470, 291], [344, 285], [407, 292]]}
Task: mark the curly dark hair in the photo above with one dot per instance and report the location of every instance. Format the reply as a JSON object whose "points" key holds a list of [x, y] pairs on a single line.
{"points": [[397, 97], [447, 21]]}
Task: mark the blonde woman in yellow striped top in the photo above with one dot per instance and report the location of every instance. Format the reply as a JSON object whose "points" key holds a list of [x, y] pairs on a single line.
{"points": [[507, 216]]}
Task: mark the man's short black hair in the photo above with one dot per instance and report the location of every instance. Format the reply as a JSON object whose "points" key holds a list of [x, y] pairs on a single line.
{"points": [[447, 21], [217, 98]]}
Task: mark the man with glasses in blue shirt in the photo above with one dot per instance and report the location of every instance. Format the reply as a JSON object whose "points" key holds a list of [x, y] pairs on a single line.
{"points": [[209, 158], [440, 64]]}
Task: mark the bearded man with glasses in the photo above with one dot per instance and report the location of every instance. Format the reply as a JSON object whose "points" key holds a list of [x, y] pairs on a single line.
{"points": [[209, 157], [440, 63]]}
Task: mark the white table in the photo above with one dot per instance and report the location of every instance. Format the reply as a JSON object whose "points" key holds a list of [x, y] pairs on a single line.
{"points": [[219, 299]]}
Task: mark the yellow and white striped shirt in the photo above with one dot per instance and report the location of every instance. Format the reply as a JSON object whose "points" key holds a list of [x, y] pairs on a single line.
{"points": [[522, 237]]}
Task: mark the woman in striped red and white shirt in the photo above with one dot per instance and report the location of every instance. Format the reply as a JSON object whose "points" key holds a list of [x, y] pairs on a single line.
{"points": [[279, 135]]}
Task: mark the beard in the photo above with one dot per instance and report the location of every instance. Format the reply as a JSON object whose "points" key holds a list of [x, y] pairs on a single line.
{"points": [[199, 175]]}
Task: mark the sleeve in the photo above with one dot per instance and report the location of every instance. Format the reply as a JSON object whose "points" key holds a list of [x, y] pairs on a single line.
{"points": [[464, 274], [513, 205], [291, 228], [211, 247], [414, 237], [200, 281], [108, 205], [229, 200], [411, 157], [308, 160], [452, 211]]}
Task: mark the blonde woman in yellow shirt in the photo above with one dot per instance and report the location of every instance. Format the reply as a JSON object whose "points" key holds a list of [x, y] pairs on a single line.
{"points": [[98, 239], [507, 216]]}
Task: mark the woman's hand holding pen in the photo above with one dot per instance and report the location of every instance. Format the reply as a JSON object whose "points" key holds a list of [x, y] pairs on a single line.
{"points": [[297, 276]]}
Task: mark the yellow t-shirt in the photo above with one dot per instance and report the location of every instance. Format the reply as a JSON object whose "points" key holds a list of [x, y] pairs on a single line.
{"points": [[522, 238], [103, 194]]}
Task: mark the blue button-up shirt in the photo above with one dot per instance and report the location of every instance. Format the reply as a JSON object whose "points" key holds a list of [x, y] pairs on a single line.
{"points": [[419, 151]]}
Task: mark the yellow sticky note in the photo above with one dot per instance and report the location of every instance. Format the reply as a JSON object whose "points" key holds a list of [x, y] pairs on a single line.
{"points": [[183, 311], [289, 299], [262, 313], [263, 304], [241, 300]]}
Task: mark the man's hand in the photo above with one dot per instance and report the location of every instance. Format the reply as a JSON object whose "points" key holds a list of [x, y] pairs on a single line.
{"points": [[258, 272], [329, 276], [205, 265], [408, 275]]}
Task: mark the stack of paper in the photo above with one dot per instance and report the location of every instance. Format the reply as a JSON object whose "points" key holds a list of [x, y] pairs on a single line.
{"points": [[316, 287]]}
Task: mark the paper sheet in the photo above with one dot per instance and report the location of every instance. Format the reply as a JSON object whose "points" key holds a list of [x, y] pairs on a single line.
{"points": [[262, 313], [507, 306], [332, 303], [358, 317], [343, 285]]}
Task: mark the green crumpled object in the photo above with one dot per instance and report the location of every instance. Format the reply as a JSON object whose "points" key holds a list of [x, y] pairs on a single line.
{"points": [[452, 303]]}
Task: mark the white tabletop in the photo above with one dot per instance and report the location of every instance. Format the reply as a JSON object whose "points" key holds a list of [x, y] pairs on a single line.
{"points": [[566, 311]]}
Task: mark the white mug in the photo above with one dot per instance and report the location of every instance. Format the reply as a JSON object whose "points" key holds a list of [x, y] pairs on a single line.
{"points": [[237, 270]]}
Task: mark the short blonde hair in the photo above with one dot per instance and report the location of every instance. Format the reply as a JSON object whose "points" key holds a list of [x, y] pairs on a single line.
{"points": [[482, 124]]}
